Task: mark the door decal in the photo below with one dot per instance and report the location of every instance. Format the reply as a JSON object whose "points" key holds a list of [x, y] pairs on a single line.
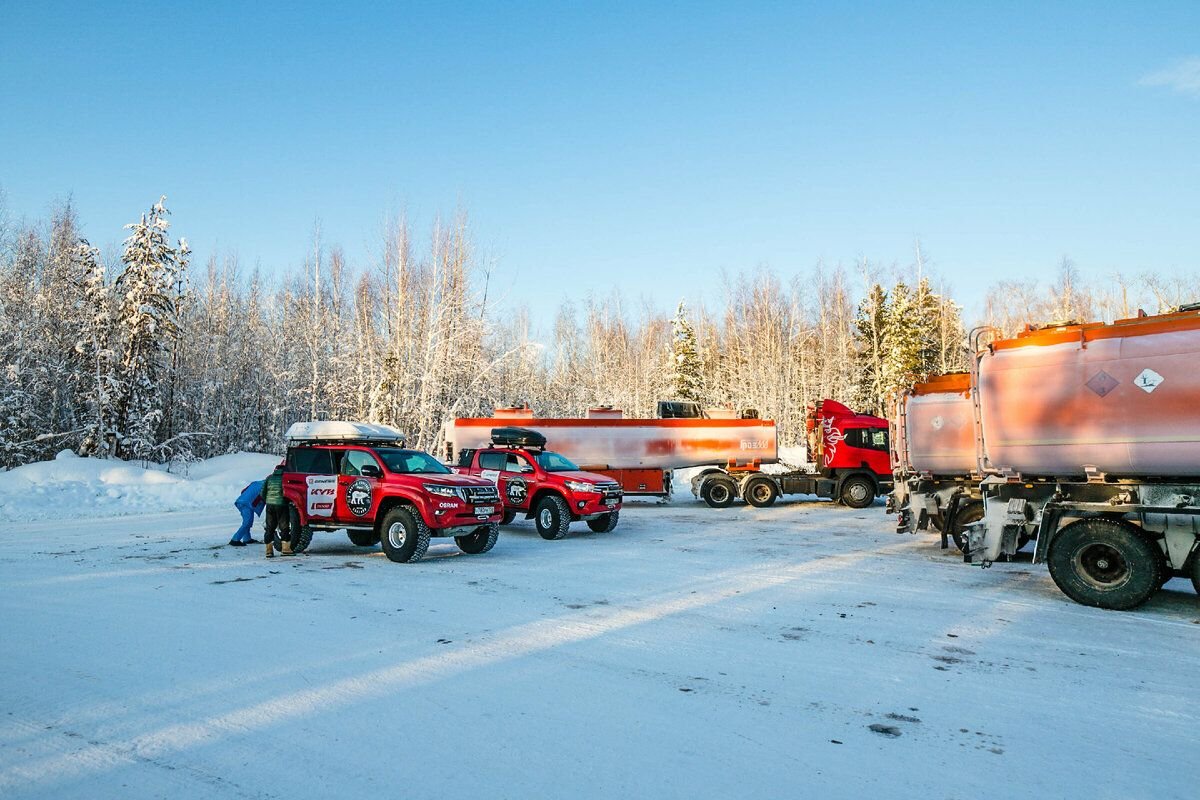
{"points": [[322, 490], [358, 497]]}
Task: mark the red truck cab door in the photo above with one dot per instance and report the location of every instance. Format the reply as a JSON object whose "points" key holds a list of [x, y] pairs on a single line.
{"points": [[358, 487], [519, 481]]}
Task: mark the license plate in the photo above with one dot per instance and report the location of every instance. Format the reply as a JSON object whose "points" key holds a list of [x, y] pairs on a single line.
{"points": [[610, 503], [485, 511]]}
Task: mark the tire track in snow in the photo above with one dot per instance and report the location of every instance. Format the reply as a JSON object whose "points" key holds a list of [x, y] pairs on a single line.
{"points": [[524, 640]]}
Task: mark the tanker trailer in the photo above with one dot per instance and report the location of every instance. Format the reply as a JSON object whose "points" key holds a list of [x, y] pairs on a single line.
{"points": [[1090, 435], [936, 480]]}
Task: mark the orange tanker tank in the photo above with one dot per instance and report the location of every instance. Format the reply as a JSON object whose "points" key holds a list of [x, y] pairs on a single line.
{"points": [[938, 435], [1121, 399]]}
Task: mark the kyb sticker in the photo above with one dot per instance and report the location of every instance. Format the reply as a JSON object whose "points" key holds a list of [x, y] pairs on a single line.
{"points": [[358, 497], [1148, 380], [322, 491]]}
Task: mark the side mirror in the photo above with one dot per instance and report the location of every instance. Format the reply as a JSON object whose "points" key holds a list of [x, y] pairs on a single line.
{"points": [[370, 471]]}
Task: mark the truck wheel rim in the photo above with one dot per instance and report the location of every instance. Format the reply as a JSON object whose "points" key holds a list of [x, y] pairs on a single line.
{"points": [[397, 534], [545, 518], [1101, 565], [858, 492], [761, 492], [719, 494]]}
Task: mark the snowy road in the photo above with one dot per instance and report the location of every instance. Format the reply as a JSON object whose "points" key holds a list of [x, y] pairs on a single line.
{"points": [[797, 651]]}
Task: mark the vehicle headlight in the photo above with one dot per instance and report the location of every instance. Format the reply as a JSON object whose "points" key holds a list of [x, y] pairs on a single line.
{"points": [[581, 486], [444, 491]]}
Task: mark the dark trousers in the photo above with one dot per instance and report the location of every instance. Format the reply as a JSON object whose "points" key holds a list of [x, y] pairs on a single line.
{"points": [[276, 519]]}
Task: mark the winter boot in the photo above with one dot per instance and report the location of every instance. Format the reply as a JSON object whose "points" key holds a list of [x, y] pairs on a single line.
{"points": [[287, 547], [270, 550]]}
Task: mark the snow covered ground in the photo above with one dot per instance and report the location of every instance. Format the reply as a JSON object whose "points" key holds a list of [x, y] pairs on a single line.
{"points": [[799, 651], [118, 488]]}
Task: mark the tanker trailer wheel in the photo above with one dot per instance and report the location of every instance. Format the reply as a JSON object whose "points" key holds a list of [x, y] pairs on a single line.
{"points": [[760, 492], [718, 492], [1105, 563], [858, 492], [967, 514]]}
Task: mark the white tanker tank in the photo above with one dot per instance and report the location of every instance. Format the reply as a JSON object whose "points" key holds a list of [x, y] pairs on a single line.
{"points": [[936, 482], [1120, 399], [939, 426], [1092, 435]]}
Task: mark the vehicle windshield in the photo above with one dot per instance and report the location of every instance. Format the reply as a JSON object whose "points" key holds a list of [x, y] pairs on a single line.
{"points": [[553, 462], [411, 462]]}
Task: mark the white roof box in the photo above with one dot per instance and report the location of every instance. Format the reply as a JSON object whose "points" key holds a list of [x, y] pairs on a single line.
{"points": [[338, 431]]}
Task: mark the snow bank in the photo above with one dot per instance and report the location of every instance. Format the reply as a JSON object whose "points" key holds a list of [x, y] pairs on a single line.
{"points": [[111, 488]]}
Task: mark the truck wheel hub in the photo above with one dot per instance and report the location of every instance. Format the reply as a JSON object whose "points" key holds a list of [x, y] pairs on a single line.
{"points": [[1101, 565], [546, 518], [397, 534]]}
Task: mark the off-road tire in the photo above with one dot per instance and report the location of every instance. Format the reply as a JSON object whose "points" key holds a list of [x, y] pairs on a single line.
{"points": [[718, 491], [552, 517], [364, 538], [760, 492], [404, 535], [509, 516], [483, 539], [857, 492], [964, 516], [605, 522], [301, 534], [1105, 563]]}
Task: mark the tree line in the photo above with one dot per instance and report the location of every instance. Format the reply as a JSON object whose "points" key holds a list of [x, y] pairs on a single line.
{"points": [[143, 355]]}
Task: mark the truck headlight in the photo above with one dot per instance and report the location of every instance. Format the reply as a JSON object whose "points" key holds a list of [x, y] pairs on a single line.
{"points": [[581, 486], [443, 491]]}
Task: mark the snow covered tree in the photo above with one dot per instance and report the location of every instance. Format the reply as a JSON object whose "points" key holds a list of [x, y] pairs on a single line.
{"points": [[147, 308], [870, 330], [687, 373], [99, 385]]}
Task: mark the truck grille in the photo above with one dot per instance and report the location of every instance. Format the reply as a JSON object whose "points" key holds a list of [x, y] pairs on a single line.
{"points": [[481, 494], [610, 490]]}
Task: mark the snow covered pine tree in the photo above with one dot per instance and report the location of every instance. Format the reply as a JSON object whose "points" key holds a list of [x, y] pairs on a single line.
{"points": [[688, 378], [147, 323]]}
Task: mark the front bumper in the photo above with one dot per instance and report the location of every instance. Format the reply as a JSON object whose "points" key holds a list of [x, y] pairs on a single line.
{"points": [[443, 521], [593, 506]]}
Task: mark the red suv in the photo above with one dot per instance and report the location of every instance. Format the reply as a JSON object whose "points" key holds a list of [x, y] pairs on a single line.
{"points": [[360, 478], [543, 485]]}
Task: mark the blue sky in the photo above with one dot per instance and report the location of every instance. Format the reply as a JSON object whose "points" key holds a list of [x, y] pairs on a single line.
{"points": [[647, 146]]}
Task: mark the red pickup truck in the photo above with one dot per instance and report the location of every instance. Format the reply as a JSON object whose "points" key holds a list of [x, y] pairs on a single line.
{"points": [[360, 478], [543, 485]]}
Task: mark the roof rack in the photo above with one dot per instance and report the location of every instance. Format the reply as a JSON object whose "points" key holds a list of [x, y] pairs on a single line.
{"points": [[340, 432]]}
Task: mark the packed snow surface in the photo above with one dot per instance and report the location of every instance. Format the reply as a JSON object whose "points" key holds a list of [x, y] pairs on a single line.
{"points": [[802, 650]]}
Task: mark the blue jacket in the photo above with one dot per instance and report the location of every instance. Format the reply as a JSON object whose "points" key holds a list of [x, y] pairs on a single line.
{"points": [[251, 497]]}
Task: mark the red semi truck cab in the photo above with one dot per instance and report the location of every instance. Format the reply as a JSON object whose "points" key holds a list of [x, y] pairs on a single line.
{"points": [[849, 450], [841, 439], [360, 478], [543, 485]]}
